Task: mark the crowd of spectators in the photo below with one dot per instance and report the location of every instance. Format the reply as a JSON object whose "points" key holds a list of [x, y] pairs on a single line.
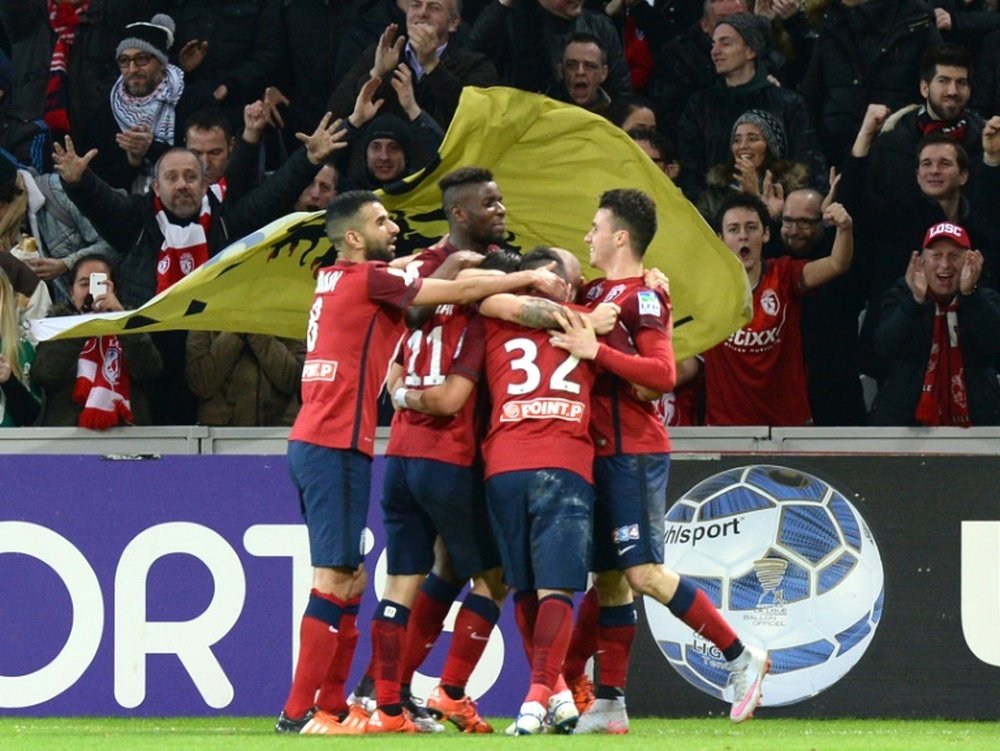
{"points": [[140, 137]]}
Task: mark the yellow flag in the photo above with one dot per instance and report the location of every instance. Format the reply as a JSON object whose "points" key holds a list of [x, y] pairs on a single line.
{"points": [[552, 162]]}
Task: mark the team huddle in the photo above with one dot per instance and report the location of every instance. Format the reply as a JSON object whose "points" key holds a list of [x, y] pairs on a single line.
{"points": [[524, 455]]}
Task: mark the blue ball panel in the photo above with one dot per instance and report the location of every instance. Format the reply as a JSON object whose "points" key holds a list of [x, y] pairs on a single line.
{"points": [[847, 521], [712, 671], [809, 531], [877, 610], [712, 588], [736, 500], [714, 484], [695, 680], [836, 572], [850, 636], [786, 484], [671, 649], [680, 512], [803, 656], [747, 592]]}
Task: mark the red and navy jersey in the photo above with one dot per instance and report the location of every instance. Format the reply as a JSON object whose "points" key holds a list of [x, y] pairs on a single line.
{"points": [[623, 424], [757, 376], [441, 347], [354, 325], [541, 403]]}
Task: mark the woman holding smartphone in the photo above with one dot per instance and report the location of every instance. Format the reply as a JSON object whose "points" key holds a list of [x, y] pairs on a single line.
{"points": [[99, 382]]}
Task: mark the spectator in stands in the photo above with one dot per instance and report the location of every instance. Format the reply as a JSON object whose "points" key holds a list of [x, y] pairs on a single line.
{"points": [[43, 228], [166, 234], [314, 34], [368, 21], [525, 40], [756, 165], [683, 66], [102, 381], [829, 316], [232, 165], [244, 380], [757, 375], [147, 109], [583, 68], [19, 404], [632, 112], [390, 147], [944, 84], [986, 84], [658, 148], [867, 51], [439, 68], [52, 71], [706, 126], [229, 49], [939, 333], [318, 194], [892, 225]]}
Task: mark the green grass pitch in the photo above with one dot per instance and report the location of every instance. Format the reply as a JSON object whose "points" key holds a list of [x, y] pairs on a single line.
{"points": [[710, 734]]}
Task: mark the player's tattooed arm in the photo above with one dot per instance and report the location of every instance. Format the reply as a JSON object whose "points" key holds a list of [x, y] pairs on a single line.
{"points": [[540, 313]]}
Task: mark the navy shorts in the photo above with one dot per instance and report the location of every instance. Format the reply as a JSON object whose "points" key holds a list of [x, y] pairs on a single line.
{"points": [[423, 498], [334, 486], [629, 510], [542, 519]]}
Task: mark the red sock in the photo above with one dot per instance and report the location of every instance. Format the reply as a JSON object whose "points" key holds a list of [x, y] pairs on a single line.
{"points": [[331, 697], [701, 615], [525, 614], [615, 633], [426, 622], [317, 646], [473, 626], [388, 640], [553, 628], [583, 644]]}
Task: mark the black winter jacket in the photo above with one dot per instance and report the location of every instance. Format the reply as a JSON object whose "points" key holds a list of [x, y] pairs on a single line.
{"points": [[903, 339], [866, 54]]}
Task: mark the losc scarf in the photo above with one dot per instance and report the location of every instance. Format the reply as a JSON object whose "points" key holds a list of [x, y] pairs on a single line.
{"points": [[102, 384], [185, 247], [943, 400]]}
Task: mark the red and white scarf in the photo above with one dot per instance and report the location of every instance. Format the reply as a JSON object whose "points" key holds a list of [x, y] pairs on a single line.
{"points": [[943, 400], [185, 247], [102, 384], [64, 17]]}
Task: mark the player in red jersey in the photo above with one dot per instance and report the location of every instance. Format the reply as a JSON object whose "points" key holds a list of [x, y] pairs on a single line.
{"points": [[631, 468], [757, 376], [539, 458], [433, 486], [354, 324]]}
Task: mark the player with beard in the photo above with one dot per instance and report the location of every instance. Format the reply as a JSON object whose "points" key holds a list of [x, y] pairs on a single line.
{"points": [[764, 358], [354, 323], [433, 485]]}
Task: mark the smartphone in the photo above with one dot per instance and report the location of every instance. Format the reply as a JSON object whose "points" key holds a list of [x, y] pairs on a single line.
{"points": [[98, 284]]}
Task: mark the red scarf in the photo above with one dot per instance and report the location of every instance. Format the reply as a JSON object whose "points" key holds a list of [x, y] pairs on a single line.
{"points": [[637, 54], [185, 247], [64, 17], [102, 384], [927, 124], [943, 400]]}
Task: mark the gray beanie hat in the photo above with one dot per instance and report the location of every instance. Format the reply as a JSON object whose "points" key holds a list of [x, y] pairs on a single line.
{"points": [[770, 127], [155, 36], [754, 29]]}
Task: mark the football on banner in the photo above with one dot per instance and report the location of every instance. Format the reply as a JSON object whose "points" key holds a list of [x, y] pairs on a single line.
{"points": [[791, 565]]}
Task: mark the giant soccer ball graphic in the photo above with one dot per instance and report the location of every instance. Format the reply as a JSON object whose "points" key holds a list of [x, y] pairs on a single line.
{"points": [[792, 566]]}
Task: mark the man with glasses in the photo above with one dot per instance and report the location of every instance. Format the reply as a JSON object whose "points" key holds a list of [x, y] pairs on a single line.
{"points": [[829, 316], [145, 114]]}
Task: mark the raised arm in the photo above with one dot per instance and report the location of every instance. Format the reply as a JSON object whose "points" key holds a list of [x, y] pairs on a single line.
{"points": [[822, 270]]}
